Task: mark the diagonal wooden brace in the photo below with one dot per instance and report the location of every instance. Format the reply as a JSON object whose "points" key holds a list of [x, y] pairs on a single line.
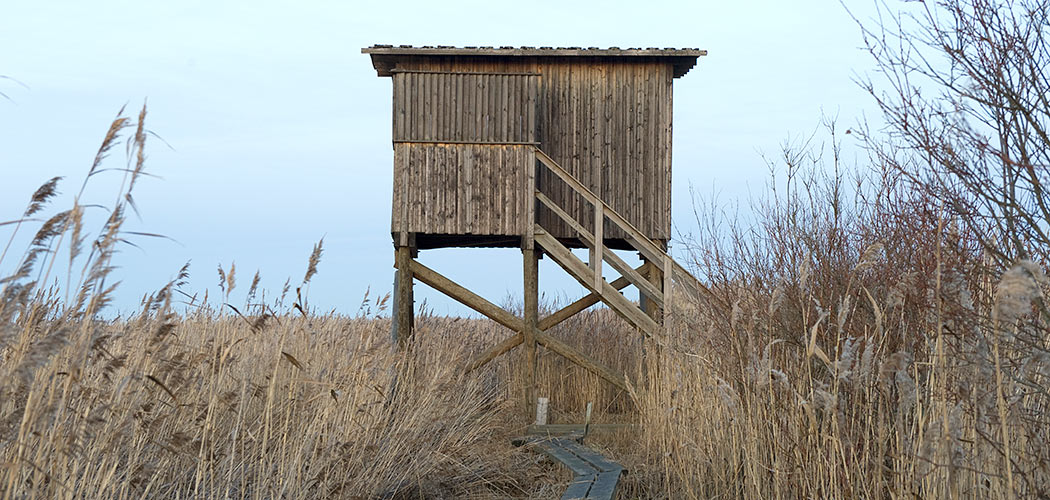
{"points": [[582, 360], [545, 324], [466, 297], [477, 303], [583, 303], [610, 296], [501, 316], [495, 352], [558, 347]]}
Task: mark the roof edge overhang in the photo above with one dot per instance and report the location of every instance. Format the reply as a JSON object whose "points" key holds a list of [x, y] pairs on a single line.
{"points": [[384, 57]]}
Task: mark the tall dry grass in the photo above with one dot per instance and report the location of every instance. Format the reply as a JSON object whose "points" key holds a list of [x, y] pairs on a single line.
{"points": [[211, 400], [856, 344]]}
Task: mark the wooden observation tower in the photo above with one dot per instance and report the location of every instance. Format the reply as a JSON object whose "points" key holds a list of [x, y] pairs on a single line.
{"points": [[543, 149]]}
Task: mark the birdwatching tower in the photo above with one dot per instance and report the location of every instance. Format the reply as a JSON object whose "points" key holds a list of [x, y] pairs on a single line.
{"points": [[543, 149]]}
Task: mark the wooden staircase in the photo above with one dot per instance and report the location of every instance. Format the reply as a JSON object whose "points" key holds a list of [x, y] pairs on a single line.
{"points": [[589, 274], [596, 477], [530, 330]]}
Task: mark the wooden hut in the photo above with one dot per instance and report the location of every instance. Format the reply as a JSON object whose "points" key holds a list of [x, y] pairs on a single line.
{"points": [[529, 147]]}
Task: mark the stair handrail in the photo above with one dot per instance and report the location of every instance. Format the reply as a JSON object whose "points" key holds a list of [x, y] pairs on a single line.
{"points": [[649, 249]]}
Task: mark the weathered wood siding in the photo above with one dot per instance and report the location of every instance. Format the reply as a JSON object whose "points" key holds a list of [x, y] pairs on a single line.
{"points": [[464, 107], [455, 189], [462, 149], [608, 122]]}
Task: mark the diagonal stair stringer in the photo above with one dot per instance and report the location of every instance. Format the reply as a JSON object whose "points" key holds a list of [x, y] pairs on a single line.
{"points": [[608, 294], [589, 274]]}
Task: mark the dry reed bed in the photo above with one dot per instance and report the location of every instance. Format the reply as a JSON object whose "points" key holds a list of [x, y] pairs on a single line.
{"points": [[210, 403], [303, 408], [855, 344]]}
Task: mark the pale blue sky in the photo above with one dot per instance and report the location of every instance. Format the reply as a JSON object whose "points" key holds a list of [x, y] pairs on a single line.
{"points": [[279, 127]]}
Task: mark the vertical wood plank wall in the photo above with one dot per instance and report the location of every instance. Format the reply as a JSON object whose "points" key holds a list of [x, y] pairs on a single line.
{"points": [[607, 122], [464, 107], [462, 150], [461, 189]]}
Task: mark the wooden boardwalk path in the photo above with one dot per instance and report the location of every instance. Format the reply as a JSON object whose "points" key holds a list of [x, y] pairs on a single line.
{"points": [[596, 477]]}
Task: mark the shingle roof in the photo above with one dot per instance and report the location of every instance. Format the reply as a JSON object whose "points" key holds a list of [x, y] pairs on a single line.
{"points": [[382, 55]]}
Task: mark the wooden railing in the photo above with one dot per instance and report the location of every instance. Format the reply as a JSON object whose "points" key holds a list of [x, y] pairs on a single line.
{"points": [[532, 330], [592, 278]]}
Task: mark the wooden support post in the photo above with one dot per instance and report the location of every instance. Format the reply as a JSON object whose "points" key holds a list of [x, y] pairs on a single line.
{"points": [[587, 420], [531, 320], [403, 319], [668, 292], [643, 299], [531, 274], [599, 244], [659, 274], [655, 275]]}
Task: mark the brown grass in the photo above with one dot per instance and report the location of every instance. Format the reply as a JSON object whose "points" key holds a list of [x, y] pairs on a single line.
{"points": [[856, 346]]}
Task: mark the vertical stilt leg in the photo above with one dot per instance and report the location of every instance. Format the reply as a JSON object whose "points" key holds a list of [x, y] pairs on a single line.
{"points": [[531, 312], [655, 274], [403, 319], [668, 293], [643, 300], [531, 257], [395, 303]]}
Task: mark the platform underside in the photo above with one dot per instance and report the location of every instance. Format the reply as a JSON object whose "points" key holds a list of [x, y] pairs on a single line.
{"points": [[433, 241]]}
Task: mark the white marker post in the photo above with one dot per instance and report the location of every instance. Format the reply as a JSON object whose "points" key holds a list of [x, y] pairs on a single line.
{"points": [[541, 410]]}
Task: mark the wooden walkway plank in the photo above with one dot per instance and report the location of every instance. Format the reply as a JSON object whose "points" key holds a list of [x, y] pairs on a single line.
{"points": [[579, 488], [592, 457], [595, 477], [563, 429], [605, 484], [555, 450]]}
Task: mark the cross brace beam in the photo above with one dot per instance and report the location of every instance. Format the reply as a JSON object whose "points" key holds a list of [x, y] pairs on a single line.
{"points": [[505, 318]]}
